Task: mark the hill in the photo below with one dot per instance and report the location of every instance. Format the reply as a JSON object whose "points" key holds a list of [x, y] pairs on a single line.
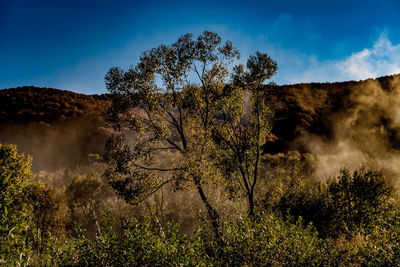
{"points": [[60, 128], [320, 108], [33, 104]]}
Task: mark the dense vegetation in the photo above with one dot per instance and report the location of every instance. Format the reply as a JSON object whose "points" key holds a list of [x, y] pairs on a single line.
{"points": [[352, 219], [203, 173]]}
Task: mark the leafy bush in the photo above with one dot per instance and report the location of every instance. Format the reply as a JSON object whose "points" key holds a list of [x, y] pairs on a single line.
{"points": [[346, 205], [139, 244], [14, 174], [271, 241], [362, 200], [353, 219]]}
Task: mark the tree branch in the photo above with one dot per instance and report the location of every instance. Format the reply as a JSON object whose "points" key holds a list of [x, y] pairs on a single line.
{"points": [[152, 192], [156, 169]]}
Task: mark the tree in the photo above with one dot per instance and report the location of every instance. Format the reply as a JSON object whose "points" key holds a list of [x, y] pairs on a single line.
{"points": [[174, 105], [242, 132], [87, 194], [15, 172], [44, 205]]}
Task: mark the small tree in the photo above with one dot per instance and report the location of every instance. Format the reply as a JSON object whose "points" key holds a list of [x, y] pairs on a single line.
{"points": [[177, 125], [44, 205], [15, 173], [87, 194]]}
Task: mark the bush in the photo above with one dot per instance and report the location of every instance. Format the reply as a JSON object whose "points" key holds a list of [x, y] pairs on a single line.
{"points": [[359, 202], [14, 175], [139, 244], [270, 240], [44, 206], [348, 205]]}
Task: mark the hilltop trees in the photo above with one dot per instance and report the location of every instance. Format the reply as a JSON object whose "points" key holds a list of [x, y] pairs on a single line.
{"points": [[183, 116]]}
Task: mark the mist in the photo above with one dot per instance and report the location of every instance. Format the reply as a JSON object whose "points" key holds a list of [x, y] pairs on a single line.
{"points": [[55, 146], [365, 132]]}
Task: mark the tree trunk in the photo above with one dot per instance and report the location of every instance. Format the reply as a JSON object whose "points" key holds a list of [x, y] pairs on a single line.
{"points": [[251, 204], [212, 213], [95, 220]]}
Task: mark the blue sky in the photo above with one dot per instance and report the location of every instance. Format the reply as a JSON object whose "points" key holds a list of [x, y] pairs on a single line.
{"points": [[71, 44]]}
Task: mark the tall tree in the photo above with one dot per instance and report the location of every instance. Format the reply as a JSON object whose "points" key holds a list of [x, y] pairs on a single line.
{"points": [[245, 127], [171, 101]]}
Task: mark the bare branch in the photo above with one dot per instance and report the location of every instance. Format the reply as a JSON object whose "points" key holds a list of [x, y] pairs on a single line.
{"points": [[152, 192], [157, 169]]}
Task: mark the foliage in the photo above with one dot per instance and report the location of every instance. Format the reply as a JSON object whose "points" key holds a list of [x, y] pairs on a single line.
{"points": [[44, 205], [286, 174], [180, 124], [244, 127], [270, 241], [171, 122], [347, 205], [351, 220], [29, 104], [200, 128], [14, 175], [362, 200], [140, 244], [44, 122], [87, 194]]}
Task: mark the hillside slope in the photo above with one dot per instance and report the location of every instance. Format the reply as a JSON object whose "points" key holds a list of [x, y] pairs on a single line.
{"points": [[320, 108], [57, 127], [34, 104], [60, 128]]}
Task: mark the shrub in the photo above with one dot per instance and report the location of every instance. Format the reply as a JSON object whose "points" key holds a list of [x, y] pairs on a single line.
{"points": [[139, 244], [44, 205], [359, 202], [270, 240], [14, 174], [348, 205]]}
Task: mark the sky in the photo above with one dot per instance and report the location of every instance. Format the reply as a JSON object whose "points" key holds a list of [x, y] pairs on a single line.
{"points": [[71, 44]]}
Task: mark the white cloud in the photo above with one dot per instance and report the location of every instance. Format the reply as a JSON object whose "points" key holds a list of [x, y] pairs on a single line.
{"points": [[381, 59]]}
